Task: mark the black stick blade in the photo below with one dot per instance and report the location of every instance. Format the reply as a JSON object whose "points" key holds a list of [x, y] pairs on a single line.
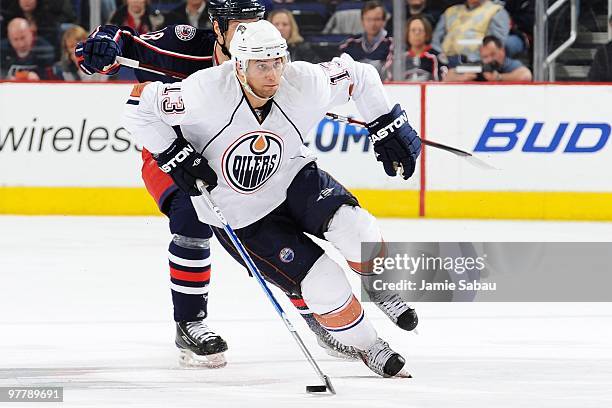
{"points": [[316, 388]]}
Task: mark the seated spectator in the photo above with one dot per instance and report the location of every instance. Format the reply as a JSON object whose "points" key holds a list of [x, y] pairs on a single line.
{"points": [[462, 27], [601, 69], [344, 22], [522, 14], [373, 46], [496, 65], [421, 60], [443, 4], [298, 49], [44, 17], [420, 7], [137, 15], [191, 12], [67, 68], [416, 8], [25, 56]]}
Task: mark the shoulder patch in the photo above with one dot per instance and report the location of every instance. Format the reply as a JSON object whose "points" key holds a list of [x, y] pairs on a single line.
{"points": [[138, 88], [335, 70], [184, 32]]}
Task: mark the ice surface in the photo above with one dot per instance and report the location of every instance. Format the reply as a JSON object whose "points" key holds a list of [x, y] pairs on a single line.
{"points": [[85, 304]]}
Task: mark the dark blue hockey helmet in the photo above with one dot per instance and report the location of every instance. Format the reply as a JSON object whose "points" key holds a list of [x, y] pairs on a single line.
{"points": [[223, 11]]}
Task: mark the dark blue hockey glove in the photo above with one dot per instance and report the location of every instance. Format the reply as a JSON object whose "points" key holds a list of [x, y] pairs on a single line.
{"points": [[185, 165], [396, 143], [98, 53]]}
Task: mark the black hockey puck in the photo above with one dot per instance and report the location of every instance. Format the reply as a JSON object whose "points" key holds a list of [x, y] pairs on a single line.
{"points": [[316, 388]]}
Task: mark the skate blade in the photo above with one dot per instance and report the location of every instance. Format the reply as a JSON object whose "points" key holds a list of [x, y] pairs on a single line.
{"points": [[403, 373], [188, 359]]}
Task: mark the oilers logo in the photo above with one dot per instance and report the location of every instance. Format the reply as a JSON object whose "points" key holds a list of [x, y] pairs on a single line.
{"points": [[286, 255], [252, 160]]}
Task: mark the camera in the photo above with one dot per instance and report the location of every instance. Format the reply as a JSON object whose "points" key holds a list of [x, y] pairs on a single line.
{"points": [[479, 68], [491, 66]]}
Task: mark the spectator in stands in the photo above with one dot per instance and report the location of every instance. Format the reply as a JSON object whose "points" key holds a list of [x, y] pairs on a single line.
{"points": [[421, 60], [462, 27], [44, 16], [373, 46], [67, 68], [344, 22], [299, 50], [25, 56], [442, 5], [420, 7], [192, 12], [496, 65], [601, 69], [522, 14], [416, 8], [137, 15]]}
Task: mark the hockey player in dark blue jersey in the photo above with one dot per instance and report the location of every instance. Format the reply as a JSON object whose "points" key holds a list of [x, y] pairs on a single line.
{"points": [[179, 51], [176, 50]]}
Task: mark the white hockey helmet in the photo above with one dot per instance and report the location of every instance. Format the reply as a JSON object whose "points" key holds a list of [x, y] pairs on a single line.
{"points": [[258, 40]]}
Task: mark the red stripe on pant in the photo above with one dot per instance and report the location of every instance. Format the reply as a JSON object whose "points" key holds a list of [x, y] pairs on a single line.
{"points": [[298, 302]]}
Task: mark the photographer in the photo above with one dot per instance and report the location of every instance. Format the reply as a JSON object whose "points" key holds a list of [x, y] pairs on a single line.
{"points": [[495, 66]]}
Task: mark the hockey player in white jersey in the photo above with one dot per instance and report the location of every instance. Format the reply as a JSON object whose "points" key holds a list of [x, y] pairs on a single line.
{"points": [[248, 148]]}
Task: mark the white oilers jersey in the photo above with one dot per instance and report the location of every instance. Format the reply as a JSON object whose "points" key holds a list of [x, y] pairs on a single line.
{"points": [[255, 161]]}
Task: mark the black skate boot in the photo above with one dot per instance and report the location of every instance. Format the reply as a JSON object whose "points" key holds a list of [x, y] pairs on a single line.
{"points": [[384, 361], [331, 346], [396, 309], [199, 346]]}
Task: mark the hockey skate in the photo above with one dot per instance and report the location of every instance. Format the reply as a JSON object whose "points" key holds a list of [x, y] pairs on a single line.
{"points": [[384, 361], [331, 346], [199, 346], [336, 349], [396, 309]]}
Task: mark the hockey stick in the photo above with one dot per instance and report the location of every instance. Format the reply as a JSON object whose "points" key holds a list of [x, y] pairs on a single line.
{"points": [[457, 152], [264, 286], [132, 63]]}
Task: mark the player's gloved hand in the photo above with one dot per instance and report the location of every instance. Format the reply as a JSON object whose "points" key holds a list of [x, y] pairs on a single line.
{"points": [[185, 165], [396, 143], [98, 54]]}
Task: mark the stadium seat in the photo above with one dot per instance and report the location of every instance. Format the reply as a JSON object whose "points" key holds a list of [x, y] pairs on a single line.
{"points": [[310, 17], [349, 5], [326, 46], [164, 6]]}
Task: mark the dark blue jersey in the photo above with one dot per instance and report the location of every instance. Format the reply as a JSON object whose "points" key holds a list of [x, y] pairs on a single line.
{"points": [[424, 66], [177, 50], [379, 54]]}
